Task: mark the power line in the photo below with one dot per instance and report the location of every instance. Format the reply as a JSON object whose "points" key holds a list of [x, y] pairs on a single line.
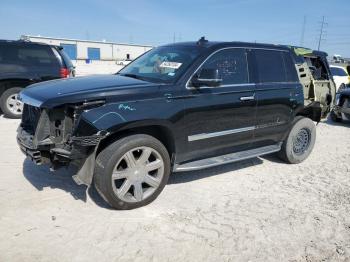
{"points": [[322, 32]]}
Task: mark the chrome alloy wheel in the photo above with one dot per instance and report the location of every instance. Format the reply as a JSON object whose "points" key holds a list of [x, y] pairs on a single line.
{"points": [[137, 174], [301, 141], [14, 105]]}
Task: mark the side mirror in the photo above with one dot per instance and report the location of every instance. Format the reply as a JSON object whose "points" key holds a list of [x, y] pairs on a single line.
{"points": [[207, 77]]}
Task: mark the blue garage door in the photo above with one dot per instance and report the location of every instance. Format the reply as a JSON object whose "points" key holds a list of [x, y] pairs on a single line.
{"points": [[70, 50], [93, 53]]}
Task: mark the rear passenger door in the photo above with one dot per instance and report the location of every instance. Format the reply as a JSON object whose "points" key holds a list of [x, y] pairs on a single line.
{"points": [[276, 92]]}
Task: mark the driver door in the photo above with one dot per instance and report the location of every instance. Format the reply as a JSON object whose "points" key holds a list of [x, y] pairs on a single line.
{"points": [[221, 119]]}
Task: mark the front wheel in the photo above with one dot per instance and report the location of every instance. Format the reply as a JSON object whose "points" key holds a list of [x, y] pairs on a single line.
{"points": [[132, 171], [299, 142]]}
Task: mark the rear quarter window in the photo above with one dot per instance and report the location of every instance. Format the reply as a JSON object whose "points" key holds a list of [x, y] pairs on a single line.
{"points": [[290, 69], [28, 55], [274, 66]]}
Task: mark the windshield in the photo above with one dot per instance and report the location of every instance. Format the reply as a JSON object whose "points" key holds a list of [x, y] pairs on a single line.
{"points": [[336, 71], [162, 64]]}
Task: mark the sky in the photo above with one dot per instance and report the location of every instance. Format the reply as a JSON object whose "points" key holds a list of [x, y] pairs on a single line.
{"points": [[157, 22]]}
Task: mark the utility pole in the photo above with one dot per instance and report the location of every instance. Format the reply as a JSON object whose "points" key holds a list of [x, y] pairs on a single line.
{"points": [[174, 37], [303, 32], [321, 33]]}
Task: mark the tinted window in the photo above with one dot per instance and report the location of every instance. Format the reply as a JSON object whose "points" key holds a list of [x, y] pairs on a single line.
{"points": [[270, 66], [338, 71], [289, 65], [232, 65], [27, 55]]}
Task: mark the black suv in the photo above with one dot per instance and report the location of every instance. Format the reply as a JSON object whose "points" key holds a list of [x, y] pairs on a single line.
{"points": [[179, 107], [23, 63]]}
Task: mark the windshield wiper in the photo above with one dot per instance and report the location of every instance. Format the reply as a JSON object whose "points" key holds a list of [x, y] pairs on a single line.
{"points": [[132, 76], [143, 78]]}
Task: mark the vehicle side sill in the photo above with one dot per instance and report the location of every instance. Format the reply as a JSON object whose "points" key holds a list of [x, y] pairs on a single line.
{"points": [[228, 158]]}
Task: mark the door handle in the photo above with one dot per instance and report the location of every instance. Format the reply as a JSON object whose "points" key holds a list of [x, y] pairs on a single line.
{"points": [[247, 98]]}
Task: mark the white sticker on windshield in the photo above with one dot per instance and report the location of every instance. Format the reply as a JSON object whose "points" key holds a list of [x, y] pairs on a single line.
{"points": [[173, 65]]}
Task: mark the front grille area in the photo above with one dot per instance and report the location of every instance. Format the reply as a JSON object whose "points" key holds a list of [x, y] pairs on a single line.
{"points": [[87, 140], [30, 118]]}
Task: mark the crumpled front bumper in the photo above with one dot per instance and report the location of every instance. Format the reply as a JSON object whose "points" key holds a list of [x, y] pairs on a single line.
{"points": [[25, 142], [83, 153]]}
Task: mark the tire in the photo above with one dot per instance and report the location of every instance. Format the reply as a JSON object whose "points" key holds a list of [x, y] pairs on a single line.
{"points": [[10, 106], [125, 158], [346, 104], [334, 117], [299, 142]]}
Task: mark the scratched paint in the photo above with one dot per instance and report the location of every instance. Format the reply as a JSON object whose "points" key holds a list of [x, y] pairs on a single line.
{"points": [[126, 107], [109, 113]]}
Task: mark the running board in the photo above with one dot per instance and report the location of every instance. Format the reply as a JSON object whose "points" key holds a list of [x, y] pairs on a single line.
{"points": [[229, 158]]}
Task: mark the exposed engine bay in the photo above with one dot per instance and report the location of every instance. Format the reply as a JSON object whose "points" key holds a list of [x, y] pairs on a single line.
{"points": [[57, 135]]}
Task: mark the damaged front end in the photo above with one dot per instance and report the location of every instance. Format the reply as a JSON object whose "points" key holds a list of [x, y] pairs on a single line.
{"points": [[61, 137]]}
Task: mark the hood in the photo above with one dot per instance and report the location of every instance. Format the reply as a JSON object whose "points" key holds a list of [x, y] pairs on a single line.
{"points": [[77, 89]]}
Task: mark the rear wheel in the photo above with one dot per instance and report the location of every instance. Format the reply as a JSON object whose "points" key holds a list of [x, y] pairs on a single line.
{"points": [[9, 103], [299, 142], [334, 117], [132, 171], [346, 105]]}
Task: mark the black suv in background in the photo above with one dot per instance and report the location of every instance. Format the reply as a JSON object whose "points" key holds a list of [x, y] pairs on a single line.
{"points": [[178, 107], [23, 63]]}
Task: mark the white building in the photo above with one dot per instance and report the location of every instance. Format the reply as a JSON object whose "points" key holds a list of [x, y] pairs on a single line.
{"points": [[94, 57]]}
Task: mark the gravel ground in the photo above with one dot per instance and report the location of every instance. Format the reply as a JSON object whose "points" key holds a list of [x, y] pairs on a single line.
{"points": [[255, 210]]}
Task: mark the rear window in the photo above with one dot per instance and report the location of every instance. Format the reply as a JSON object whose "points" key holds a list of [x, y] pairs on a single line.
{"points": [[27, 55], [274, 66]]}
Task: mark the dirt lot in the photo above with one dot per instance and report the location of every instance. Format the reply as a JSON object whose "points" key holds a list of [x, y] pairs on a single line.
{"points": [[256, 210]]}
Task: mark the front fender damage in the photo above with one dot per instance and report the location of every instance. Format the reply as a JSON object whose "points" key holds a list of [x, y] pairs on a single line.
{"points": [[86, 170]]}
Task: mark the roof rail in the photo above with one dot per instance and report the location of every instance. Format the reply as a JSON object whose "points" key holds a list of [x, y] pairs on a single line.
{"points": [[24, 38], [202, 41]]}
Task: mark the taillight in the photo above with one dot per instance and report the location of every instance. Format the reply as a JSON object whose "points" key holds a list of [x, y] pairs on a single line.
{"points": [[64, 72]]}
